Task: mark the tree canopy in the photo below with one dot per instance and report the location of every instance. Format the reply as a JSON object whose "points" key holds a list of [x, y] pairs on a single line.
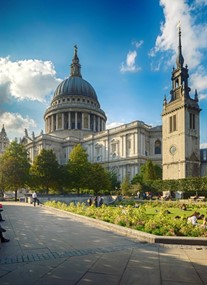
{"points": [[78, 168], [45, 170], [99, 178], [14, 167]]}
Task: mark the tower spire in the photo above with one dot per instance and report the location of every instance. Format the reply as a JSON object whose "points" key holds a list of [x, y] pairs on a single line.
{"points": [[75, 67], [179, 59]]}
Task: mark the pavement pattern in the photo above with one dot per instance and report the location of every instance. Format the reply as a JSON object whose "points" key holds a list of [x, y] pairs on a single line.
{"points": [[53, 247]]}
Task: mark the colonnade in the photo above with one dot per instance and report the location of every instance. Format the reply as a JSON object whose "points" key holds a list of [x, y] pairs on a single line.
{"points": [[74, 120]]}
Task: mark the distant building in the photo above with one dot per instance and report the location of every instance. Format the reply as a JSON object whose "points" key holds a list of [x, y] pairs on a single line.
{"points": [[203, 156], [4, 141]]}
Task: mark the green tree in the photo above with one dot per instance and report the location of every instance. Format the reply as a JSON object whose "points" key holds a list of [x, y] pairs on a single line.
{"points": [[158, 171], [14, 168], [148, 171], [78, 168], [137, 179], [99, 179], [45, 170], [64, 179], [125, 185], [115, 184]]}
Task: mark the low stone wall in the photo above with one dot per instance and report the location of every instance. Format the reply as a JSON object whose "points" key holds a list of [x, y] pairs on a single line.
{"points": [[68, 198], [141, 236]]}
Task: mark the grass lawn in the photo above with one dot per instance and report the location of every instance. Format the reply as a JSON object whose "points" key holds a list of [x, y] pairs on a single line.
{"points": [[159, 218], [175, 211]]}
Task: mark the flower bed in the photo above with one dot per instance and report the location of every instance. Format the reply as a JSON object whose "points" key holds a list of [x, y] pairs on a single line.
{"points": [[164, 219]]}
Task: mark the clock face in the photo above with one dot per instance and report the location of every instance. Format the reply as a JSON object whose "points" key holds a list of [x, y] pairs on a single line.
{"points": [[173, 149]]}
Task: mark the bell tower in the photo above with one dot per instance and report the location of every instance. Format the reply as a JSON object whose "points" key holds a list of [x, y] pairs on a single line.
{"points": [[180, 126]]}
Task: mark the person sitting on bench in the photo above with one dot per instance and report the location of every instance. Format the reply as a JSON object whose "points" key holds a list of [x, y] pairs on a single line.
{"points": [[2, 238]]}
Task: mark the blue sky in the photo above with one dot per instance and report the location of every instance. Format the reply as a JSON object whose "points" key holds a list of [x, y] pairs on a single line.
{"points": [[127, 50]]}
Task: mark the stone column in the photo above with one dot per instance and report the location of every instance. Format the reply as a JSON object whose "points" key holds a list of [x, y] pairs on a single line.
{"points": [[51, 124], [134, 151], [89, 121], [69, 120], [99, 124], [63, 121], [124, 145], [94, 123], [82, 119], [76, 120], [121, 146], [56, 119], [46, 125]]}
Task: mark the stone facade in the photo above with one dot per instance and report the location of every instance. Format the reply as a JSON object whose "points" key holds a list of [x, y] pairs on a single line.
{"points": [[126, 148], [181, 129], [123, 149]]}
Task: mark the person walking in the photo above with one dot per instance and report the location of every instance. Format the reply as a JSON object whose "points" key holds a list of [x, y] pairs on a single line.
{"points": [[35, 199]]}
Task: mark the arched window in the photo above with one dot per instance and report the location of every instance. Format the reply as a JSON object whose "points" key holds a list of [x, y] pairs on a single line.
{"points": [[176, 83], [157, 147]]}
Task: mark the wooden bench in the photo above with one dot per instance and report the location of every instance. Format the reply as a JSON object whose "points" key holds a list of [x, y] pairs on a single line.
{"points": [[197, 198], [201, 198]]}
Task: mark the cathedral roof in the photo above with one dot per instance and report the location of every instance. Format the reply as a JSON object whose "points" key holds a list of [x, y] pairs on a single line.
{"points": [[75, 84]]}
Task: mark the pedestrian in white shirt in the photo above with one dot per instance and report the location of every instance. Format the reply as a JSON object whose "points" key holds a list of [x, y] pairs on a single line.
{"points": [[35, 199]]}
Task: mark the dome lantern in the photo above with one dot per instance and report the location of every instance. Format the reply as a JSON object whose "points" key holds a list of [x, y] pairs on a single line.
{"points": [[75, 66]]}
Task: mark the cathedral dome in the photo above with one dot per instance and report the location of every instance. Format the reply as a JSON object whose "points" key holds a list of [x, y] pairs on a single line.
{"points": [[75, 109], [75, 85]]}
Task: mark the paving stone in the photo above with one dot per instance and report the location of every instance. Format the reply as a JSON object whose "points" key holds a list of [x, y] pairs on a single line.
{"points": [[61, 250]]}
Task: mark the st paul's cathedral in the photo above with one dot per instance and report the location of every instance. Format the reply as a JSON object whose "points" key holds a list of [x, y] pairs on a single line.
{"points": [[75, 117]]}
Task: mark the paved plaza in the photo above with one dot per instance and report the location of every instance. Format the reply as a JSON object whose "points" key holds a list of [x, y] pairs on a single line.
{"points": [[52, 247]]}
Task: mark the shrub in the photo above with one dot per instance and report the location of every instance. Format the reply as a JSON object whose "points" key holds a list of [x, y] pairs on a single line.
{"points": [[151, 217]]}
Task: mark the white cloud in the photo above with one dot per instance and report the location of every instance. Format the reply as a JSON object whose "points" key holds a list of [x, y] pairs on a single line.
{"points": [[110, 125], [194, 44], [203, 145], [137, 44], [26, 79], [16, 123], [202, 97], [199, 79], [193, 33], [201, 2], [130, 63]]}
